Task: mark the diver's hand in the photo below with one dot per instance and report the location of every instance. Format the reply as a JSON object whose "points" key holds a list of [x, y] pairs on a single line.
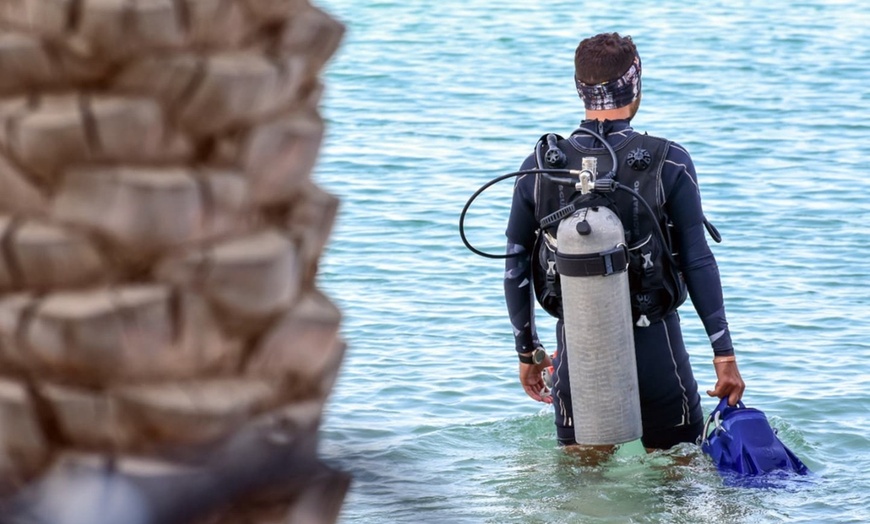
{"points": [[729, 383], [533, 383]]}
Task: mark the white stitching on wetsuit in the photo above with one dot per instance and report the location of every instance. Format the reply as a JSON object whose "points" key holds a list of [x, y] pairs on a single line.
{"points": [[567, 420], [685, 170], [685, 421]]}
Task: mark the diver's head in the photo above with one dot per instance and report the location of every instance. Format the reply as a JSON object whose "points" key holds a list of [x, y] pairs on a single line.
{"points": [[607, 74]]}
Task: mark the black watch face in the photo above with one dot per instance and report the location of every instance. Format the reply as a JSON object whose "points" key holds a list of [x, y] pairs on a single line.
{"points": [[538, 355]]}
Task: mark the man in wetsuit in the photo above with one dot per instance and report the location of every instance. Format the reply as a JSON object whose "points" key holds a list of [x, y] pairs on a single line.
{"points": [[607, 76]]}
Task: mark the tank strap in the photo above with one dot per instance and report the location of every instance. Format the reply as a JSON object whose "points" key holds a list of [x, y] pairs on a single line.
{"points": [[595, 264]]}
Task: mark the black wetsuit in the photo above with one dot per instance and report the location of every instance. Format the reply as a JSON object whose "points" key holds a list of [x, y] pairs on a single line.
{"points": [[670, 403]]}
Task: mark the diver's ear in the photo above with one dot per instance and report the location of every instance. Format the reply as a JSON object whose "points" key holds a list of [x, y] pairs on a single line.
{"points": [[635, 105]]}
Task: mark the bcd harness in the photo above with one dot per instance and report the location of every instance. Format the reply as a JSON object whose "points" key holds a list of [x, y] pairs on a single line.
{"points": [[656, 284]]}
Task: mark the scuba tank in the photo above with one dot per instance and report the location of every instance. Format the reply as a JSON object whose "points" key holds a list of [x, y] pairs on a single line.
{"points": [[592, 260]]}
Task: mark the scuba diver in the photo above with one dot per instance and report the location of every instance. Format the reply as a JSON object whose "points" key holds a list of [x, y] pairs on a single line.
{"points": [[668, 254]]}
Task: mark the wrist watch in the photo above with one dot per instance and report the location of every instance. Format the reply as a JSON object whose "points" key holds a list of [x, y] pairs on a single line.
{"points": [[537, 357]]}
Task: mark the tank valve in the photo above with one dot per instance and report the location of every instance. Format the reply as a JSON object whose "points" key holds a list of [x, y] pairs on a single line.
{"points": [[588, 173]]}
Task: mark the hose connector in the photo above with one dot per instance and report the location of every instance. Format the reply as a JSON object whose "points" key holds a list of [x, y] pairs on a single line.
{"points": [[605, 185]]}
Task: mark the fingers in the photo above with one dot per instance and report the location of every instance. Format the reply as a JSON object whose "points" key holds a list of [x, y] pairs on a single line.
{"points": [[534, 386], [729, 383], [734, 392], [734, 398], [544, 396], [538, 392]]}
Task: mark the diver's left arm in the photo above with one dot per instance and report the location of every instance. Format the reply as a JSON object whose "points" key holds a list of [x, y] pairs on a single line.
{"points": [[700, 270]]}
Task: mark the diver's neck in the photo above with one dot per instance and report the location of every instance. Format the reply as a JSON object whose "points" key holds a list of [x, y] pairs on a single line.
{"points": [[620, 113]]}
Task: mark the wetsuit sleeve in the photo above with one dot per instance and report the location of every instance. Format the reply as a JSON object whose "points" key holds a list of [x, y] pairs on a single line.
{"points": [[518, 290], [697, 263]]}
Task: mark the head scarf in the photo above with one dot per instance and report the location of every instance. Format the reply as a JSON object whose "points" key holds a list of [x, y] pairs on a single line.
{"points": [[613, 93]]}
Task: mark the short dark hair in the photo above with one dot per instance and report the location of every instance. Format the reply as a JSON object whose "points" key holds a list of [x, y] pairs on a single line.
{"points": [[603, 57]]}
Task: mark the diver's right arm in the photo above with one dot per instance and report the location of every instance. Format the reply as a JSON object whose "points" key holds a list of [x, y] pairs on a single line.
{"points": [[518, 290]]}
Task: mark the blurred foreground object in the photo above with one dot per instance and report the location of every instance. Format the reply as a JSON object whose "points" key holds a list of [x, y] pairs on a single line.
{"points": [[159, 240]]}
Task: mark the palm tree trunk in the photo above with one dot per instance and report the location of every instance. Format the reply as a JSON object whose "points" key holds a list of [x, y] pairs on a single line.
{"points": [[159, 240]]}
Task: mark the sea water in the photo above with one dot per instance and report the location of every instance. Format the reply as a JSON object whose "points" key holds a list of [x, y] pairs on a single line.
{"points": [[428, 100]]}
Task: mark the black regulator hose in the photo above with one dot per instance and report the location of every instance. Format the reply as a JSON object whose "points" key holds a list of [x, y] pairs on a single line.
{"points": [[496, 180], [601, 186], [553, 154]]}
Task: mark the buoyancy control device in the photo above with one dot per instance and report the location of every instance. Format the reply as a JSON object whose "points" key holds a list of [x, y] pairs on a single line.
{"points": [[656, 283]]}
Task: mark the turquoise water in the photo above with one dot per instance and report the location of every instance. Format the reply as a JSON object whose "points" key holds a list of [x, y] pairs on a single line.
{"points": [[426, 101]]}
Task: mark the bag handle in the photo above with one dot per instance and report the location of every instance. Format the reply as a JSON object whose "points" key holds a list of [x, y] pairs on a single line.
{"points": [[723, 405], [716, 415]]}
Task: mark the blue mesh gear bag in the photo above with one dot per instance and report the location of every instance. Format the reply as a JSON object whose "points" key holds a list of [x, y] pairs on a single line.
{"points": [[740, 440]]}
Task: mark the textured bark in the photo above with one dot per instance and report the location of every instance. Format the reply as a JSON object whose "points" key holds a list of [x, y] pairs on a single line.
{"points": [[159, 241]]}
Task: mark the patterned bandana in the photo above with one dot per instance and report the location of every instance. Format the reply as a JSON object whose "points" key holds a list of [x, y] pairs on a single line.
{"points": [[613, 93]]}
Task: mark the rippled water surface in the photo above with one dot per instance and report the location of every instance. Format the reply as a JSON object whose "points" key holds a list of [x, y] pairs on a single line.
{"points": [[426, 101]]}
